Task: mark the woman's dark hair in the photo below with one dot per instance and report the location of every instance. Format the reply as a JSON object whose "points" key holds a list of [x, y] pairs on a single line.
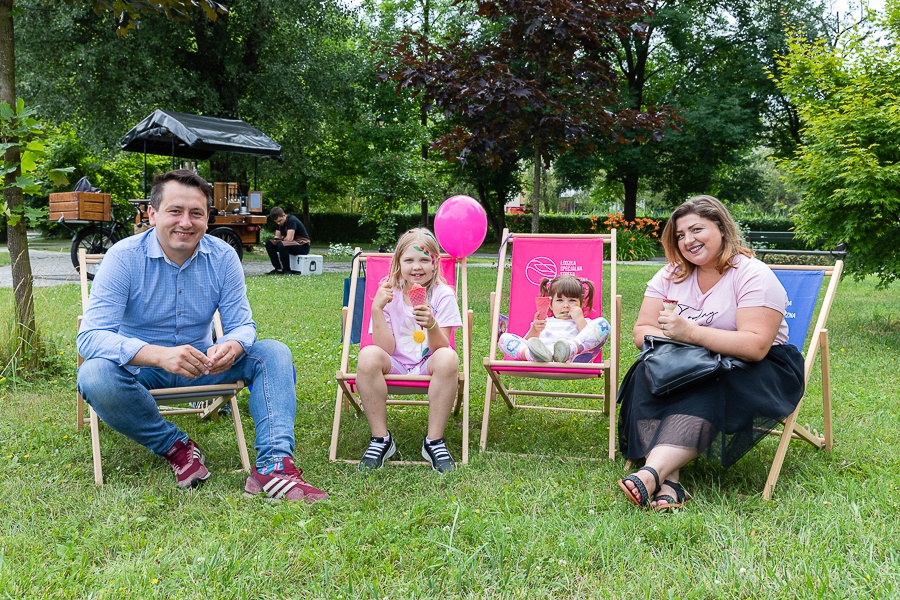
{"points": [[569, 286]]}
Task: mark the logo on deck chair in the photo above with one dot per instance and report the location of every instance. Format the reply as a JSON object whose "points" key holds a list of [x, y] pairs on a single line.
{"points": [[538, 268]]}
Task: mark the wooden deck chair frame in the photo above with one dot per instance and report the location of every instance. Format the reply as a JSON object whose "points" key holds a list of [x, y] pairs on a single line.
{"points": [[818, 345], [608, 369], [212, 397], [347, 395]]}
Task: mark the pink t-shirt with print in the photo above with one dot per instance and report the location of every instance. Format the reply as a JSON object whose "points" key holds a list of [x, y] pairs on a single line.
{"points": [[750, 284], [407, 350]]}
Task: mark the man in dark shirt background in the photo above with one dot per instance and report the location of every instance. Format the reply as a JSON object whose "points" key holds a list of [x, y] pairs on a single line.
{"points": [[290, 239]]}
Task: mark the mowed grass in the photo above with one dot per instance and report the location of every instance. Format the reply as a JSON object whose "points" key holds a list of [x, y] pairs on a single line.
{"points": [[502, 527]]}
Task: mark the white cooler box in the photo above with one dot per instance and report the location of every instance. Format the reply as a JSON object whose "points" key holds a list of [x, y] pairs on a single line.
{"points": [[310, 264]]}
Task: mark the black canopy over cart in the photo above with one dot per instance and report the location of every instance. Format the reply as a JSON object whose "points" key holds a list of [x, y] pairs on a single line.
{"points": [[236, 216]]}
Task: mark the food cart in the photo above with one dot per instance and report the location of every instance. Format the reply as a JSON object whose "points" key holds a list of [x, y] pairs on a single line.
{"points": [[236, 214]]}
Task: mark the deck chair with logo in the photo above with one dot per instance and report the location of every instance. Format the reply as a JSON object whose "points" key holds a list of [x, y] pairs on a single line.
{"points": [[535, 256], [202, 400], [803, 285], [376, 267]]}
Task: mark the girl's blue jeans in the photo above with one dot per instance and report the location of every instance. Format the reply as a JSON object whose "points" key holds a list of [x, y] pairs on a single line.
{"points": [[122, 400]]}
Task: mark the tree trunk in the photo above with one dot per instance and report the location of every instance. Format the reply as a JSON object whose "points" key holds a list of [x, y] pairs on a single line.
{"points": [[631, 188], [490, 209], [303, 188], [501, 210], [536, 192], [423, 110], [23, 280]]}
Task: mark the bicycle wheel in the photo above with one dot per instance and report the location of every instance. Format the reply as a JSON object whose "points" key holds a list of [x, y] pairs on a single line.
{"points": [[231, 238], [94, 239]]}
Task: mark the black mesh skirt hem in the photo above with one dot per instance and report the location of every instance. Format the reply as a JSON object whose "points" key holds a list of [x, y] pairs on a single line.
{"points": [[721, 419]]}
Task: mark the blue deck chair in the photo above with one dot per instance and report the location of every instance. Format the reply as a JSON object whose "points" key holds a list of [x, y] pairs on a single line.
{"points": [[803, 285]]}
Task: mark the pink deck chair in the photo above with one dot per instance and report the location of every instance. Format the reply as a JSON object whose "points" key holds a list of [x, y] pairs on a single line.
{"points": [[546, 255], [377, 267]]}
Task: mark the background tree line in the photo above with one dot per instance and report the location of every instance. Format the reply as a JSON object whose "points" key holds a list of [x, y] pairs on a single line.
{"points": [[695, 88]]}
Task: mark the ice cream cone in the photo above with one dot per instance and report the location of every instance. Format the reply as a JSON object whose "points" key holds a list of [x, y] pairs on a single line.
{"points": [[669, 305], [418, 295], [542, 304]]}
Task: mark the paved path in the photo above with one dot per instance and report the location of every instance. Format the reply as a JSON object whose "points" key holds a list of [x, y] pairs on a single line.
{"points": [[54, 267]]}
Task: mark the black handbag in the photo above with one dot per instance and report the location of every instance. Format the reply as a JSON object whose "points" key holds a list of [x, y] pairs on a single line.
{"points": [[671, 366]]}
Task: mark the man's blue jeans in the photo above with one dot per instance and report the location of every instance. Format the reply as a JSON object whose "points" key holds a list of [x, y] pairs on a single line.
{"points": [[122, 401]]}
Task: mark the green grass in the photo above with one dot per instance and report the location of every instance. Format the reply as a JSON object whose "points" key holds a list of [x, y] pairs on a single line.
{"points": [[502, 527]]}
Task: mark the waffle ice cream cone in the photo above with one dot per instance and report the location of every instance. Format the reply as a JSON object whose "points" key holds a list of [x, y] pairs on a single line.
{"points": [[542, 304], [418, 295], [669, 305]]}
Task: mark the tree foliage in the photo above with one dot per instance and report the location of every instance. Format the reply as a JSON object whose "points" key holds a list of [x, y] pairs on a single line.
{"points": [[16, 156], [532, 74], [708, 60], [848, 168]]}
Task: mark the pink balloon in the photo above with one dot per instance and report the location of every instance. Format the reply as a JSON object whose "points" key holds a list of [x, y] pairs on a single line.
{"points": [[460, 225]]}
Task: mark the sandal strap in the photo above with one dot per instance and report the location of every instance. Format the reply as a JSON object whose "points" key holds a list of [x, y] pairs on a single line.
{"points": [[654, 473], [669, 500], [640, 487], [680, 494]]}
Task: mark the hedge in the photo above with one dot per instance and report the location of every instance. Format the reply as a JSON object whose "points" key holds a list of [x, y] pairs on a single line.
{"points": [[327, 227]]}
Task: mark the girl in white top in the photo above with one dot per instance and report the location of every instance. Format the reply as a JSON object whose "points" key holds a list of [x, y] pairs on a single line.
{"points": [[411, 340], [566, 334]]}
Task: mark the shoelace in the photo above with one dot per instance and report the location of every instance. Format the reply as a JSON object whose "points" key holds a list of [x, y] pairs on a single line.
{"points": [[375, 449], [440, 452], [295, 474]]}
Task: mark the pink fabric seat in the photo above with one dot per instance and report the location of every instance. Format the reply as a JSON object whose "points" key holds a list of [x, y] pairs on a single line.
{"points": [[535, 256], [376, 268]]}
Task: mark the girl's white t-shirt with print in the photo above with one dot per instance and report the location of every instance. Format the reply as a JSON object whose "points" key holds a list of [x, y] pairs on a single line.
{"points": [[410, 340], [749, 284], [558, 329]]}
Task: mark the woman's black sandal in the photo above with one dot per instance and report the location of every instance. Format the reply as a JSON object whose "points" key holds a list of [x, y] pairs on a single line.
{"points": [[640, 487], [680, 499]]}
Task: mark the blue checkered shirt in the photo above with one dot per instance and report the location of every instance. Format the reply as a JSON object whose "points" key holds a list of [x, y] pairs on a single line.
{"points": [[140, 297]]}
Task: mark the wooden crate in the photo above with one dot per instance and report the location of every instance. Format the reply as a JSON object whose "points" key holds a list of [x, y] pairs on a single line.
{"points": [[80, 206]]}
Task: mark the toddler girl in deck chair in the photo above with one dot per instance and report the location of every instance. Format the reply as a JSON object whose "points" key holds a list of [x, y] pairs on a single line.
{"points": [[566, 334]]}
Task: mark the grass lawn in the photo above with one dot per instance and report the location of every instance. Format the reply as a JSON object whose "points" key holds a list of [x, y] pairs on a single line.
{"points": [[501, 527]]}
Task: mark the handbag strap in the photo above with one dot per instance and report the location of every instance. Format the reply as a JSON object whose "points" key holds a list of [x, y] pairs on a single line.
{"points": [[652, 341]]}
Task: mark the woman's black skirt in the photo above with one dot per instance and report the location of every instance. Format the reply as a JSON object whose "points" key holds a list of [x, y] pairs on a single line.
{"points": [[722, 418]]}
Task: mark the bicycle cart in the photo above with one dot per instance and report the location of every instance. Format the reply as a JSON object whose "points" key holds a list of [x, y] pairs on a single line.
{"points": [[94, 215], [236, 214]]}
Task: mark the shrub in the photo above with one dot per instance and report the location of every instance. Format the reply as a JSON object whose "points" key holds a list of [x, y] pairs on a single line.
{"points": [[635, 240], [337, 250]]}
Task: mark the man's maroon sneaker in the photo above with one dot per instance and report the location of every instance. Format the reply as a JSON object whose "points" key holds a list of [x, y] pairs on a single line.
{"points": [[285, 483], [187, 462]]}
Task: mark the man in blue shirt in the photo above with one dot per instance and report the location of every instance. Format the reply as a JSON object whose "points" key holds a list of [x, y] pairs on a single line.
{"points": [[147, 326]]}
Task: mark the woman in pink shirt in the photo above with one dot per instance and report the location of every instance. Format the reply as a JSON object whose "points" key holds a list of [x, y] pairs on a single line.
{"points": [[732, 304]]}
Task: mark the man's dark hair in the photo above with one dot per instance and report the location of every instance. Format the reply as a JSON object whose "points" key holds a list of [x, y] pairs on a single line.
{"points": [[182, 176], [276, 212]]}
